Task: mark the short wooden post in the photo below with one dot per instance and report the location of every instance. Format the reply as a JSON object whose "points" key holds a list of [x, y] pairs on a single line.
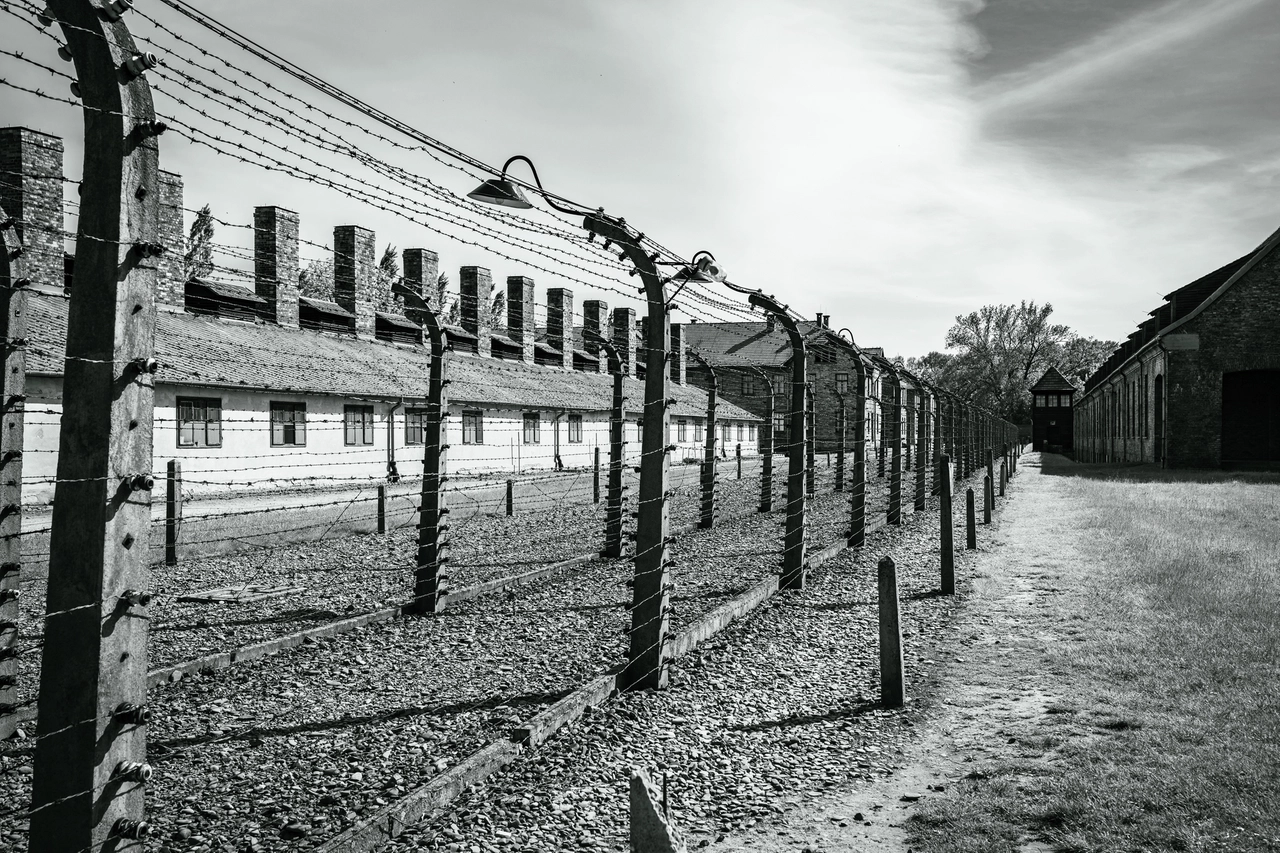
{"points": [[970, 521], [511, 497], [595, 478], [946, 524], [991, 466], [1004, 477], [892, 689], [172, 511], [738, 453], [988, 498], [382, 509]]}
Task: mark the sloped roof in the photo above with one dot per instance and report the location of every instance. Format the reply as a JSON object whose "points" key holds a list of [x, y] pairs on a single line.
{"points": [[205, 351], [326, 306], [1053, 381], [1184, 304]]}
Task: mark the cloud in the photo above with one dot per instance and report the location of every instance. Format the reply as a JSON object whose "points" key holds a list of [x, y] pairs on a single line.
{"points": [[1136, 40]]}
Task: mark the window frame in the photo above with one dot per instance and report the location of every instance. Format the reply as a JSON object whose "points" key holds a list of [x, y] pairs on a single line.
{"points": [[842, 383], [415, 423], [364, 424], [203, 404], [531, 428], [697, 429], [575, 429], [682, 429], [472, 426], [299, 427]]}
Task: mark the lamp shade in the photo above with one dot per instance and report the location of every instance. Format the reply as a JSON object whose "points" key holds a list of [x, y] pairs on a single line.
{"points": [[501, 192]]}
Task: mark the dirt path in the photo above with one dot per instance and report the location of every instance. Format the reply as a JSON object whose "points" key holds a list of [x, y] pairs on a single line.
{"points": [[990, 681]]}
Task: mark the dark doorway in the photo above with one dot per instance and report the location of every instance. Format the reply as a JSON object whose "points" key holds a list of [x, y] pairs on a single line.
{"points": [[1251, 419], [1159, 424]]}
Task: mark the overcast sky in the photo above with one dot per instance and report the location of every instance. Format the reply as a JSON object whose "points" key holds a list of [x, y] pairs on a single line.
{"points": [[890, 162]]}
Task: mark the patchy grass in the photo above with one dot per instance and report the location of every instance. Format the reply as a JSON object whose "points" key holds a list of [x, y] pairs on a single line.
{"points": [[1165, 735]]}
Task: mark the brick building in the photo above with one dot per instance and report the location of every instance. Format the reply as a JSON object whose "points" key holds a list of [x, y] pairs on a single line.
{"points": [[1052, 399], [1198, 384], [744, 354], [263, 386]]}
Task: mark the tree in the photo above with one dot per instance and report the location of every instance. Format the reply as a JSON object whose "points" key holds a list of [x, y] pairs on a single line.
{"points": [[198, 261], [316, 280], [385, 278], [999, 351], [498, 312]]}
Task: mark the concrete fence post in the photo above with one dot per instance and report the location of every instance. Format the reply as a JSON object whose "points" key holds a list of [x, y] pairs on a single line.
{"points": [[970, 521], [90, 765], [647, 638], [892, 686], [172, 511], [946, 526]]}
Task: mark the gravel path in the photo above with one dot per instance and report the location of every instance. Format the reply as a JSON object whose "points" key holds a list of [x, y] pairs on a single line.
{"points": [[776, 710], [296, 747]]}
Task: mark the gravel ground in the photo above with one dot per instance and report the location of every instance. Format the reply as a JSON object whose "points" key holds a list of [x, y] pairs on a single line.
{"points": [[296, 747], [776, 710]]}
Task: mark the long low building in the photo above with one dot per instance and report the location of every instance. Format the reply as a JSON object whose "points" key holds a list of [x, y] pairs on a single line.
{"points": [[1198, 384], [264, 388]]}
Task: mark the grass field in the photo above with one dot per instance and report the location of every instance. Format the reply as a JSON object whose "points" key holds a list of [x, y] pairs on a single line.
{"points": [[1166, 732]]}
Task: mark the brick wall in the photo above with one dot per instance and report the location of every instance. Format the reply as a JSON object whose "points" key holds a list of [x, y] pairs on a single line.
{"points": [[520, 314], [171, 292], [353, 271], [560, 323], [31, 193], [1237, 332], [476, 287], [275, 263]]}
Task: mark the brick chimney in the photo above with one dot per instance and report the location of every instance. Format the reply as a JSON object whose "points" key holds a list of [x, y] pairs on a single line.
{"points": [[353, 266], [171, 291], [679, 368], [560, 323], [275, 263], [520, 314], [31, 193], [477, 299], [594, 319], [421, 269], [624, 338]]}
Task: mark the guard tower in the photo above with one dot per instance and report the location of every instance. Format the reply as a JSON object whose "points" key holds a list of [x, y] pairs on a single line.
{"points": [[1051, 416]]}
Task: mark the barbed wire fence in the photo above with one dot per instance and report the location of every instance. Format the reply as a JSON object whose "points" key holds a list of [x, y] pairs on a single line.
{"points": [[134, 629]]}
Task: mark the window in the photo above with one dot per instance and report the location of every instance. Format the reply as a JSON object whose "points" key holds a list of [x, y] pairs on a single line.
{"points": [[472, 427], [288, 424], [842, 383], [575, 429], [748, 385], [823, 355], [682, 430], [414, 422], [740, 431], [357, 422], [779, 423], [697, 430], [751, 432], [199, 421], [532, 428], [724, 433], [1039, 401]]}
